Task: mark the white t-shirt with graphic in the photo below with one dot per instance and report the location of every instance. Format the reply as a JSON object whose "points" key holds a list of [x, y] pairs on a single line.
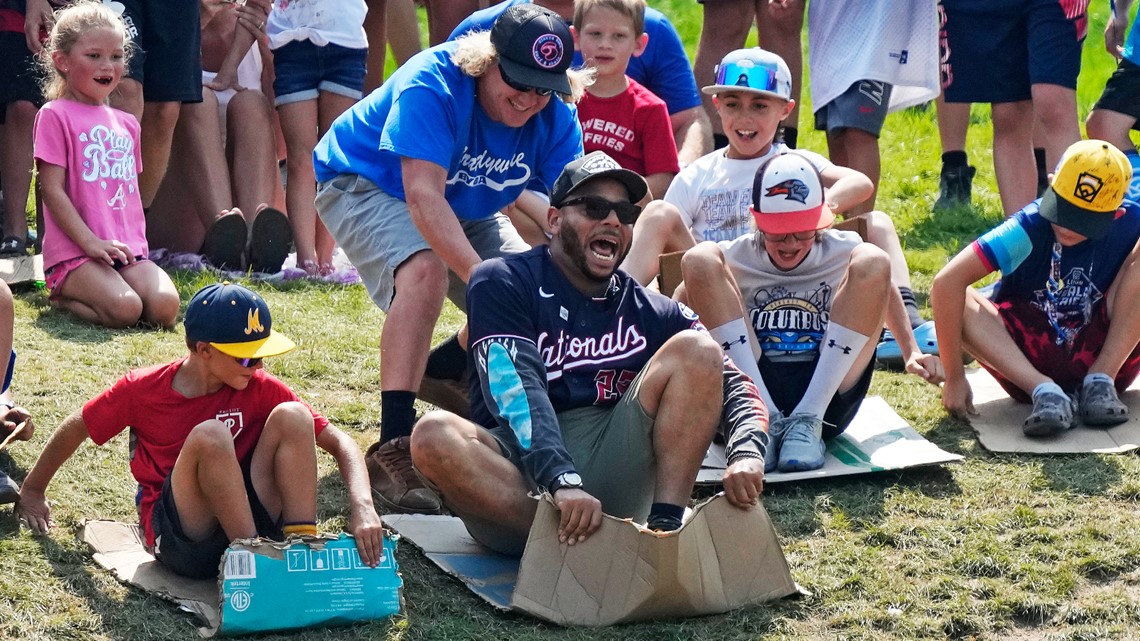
{"points": [[789, 310], [714, 193]]}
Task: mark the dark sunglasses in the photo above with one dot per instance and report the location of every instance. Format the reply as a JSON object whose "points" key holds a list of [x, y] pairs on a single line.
{"points": [[599, 208], [541, 91], [247, 362], [800, 235]]}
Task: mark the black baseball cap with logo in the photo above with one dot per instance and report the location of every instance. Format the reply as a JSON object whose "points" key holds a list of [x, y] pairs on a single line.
{"points": [[596, 164], [535, 47]]}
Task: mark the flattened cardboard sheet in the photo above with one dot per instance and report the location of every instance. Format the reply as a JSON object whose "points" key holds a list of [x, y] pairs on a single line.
{"points": [[721, 559], [999, 420], [878, 439], [119, 547]]}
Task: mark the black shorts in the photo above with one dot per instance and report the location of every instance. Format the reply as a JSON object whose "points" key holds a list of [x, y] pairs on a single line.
{"points": [[167, 58], [787, 382], [200, 559], [19, 78], [995, 50], [1122, 91]]}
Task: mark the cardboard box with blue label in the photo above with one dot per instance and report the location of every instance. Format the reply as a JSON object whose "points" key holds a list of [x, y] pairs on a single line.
{"points": [[265, 585], [275, 586]]}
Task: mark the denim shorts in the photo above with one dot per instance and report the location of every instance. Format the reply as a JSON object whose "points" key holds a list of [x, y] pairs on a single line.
{"points": [[303, 70]]}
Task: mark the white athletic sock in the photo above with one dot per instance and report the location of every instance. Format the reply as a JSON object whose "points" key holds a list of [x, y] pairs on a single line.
{"points": [[733, 339], [838, 352]]}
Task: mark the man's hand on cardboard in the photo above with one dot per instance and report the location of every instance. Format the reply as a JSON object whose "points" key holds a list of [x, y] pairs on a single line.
{"points": [[581, 515], [369, 532], [743, 482]]}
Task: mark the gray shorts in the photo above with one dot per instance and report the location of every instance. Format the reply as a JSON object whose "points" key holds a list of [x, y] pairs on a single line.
{"points": [[377, 234], [612, 449], [863, 106]]}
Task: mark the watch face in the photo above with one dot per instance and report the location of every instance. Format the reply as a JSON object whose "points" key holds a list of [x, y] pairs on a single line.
{"points": [[570, 479]]}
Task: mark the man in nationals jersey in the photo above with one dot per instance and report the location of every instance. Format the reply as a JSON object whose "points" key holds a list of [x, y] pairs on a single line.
{"points": [[221, 450], [588, 385]]}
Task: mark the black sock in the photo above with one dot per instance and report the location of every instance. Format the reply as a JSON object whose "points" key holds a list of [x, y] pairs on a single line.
{"points": [[720, 141], [1042, 171], [911, 306], [397, 413], [665, 517], [447, 360], [791, 136], [954, 159]]}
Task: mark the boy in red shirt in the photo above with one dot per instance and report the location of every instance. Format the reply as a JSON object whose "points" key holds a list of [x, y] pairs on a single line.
{"points": [[619, 116], [221, 449]]}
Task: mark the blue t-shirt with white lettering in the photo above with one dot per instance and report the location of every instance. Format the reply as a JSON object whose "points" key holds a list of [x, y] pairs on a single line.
{"points": [[428, 110], [662, 68]]}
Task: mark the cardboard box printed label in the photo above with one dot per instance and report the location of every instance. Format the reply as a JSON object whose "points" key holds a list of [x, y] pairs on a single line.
{"points": [[277, 586]]}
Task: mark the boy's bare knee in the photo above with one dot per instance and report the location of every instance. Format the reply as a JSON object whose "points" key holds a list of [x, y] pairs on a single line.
{"points": [[291, 415], [869, 264], [702, 262], [212, 437]]}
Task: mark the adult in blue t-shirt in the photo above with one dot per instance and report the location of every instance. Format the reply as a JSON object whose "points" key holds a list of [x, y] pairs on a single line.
{"points": [[663, 68], [410, 182]]}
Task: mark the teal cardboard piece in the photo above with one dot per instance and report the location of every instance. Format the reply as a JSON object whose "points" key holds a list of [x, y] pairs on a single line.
{"points": [[317, 582]]}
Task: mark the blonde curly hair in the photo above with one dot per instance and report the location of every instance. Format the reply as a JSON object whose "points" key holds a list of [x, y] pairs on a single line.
{"points": [[71, 22], [475, 55]]}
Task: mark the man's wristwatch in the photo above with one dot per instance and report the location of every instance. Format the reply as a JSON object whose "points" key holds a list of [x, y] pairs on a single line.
{"points": [[566, 480]]}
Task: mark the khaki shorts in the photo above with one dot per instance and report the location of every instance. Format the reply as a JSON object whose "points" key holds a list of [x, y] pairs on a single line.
{"points": [[612, 449], [377, 234]]}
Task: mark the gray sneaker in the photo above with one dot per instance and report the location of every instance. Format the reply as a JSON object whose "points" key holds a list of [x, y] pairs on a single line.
{"points": [[803, 449], [1052, 414], [1099, 404], [776, 429]]}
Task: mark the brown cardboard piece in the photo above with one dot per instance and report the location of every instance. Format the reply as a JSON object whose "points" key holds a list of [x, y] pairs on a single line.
{"points": [[721, 559], [999, 419], [119, 548]]}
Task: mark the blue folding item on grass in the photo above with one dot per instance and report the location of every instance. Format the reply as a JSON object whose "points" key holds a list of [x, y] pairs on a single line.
{"points": [[889, 354]]}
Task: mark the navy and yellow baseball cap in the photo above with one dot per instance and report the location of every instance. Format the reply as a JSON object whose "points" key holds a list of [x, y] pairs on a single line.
{"points": [[1088, 188], [235, 321]]}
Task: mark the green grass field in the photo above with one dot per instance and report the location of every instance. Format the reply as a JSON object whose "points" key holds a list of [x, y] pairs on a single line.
{"points": [[996, 547]]}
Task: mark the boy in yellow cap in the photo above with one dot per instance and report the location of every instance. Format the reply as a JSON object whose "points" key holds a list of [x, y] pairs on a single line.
{"points": [[221, 449], [1063, 323]]}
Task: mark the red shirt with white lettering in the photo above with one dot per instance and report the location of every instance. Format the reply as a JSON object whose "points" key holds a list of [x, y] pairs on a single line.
{"points": [[161, 419], [632, 127]]}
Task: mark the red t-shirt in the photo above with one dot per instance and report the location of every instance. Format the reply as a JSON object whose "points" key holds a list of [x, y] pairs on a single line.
{"points": [[160, 420], [632, 127]]}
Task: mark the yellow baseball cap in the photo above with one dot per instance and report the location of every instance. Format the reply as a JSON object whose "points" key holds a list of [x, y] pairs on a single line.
{"points": [[1088, 188]]}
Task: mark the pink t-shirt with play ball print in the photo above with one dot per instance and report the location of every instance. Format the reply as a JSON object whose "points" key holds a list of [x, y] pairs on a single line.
{"points": [[99, 148]]}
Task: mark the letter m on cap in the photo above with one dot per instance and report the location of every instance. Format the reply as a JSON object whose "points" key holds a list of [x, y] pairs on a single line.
{"points": [[253, 324]]}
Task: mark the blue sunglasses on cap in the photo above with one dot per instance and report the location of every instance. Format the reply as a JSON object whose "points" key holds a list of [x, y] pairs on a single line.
{"points": [[750, 75]]}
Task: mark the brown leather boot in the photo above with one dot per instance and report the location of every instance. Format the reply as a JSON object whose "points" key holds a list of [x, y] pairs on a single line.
{"points": [[395, 484]]}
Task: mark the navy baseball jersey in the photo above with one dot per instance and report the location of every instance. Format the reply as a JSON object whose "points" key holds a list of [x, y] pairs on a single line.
{"points": [[540, 347]]}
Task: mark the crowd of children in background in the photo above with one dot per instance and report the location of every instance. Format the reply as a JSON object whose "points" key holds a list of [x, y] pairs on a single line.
{"points": [[129, 157]]}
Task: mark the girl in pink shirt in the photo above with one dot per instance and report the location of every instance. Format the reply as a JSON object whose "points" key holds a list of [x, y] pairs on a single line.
{"points": [[88, 158]]}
